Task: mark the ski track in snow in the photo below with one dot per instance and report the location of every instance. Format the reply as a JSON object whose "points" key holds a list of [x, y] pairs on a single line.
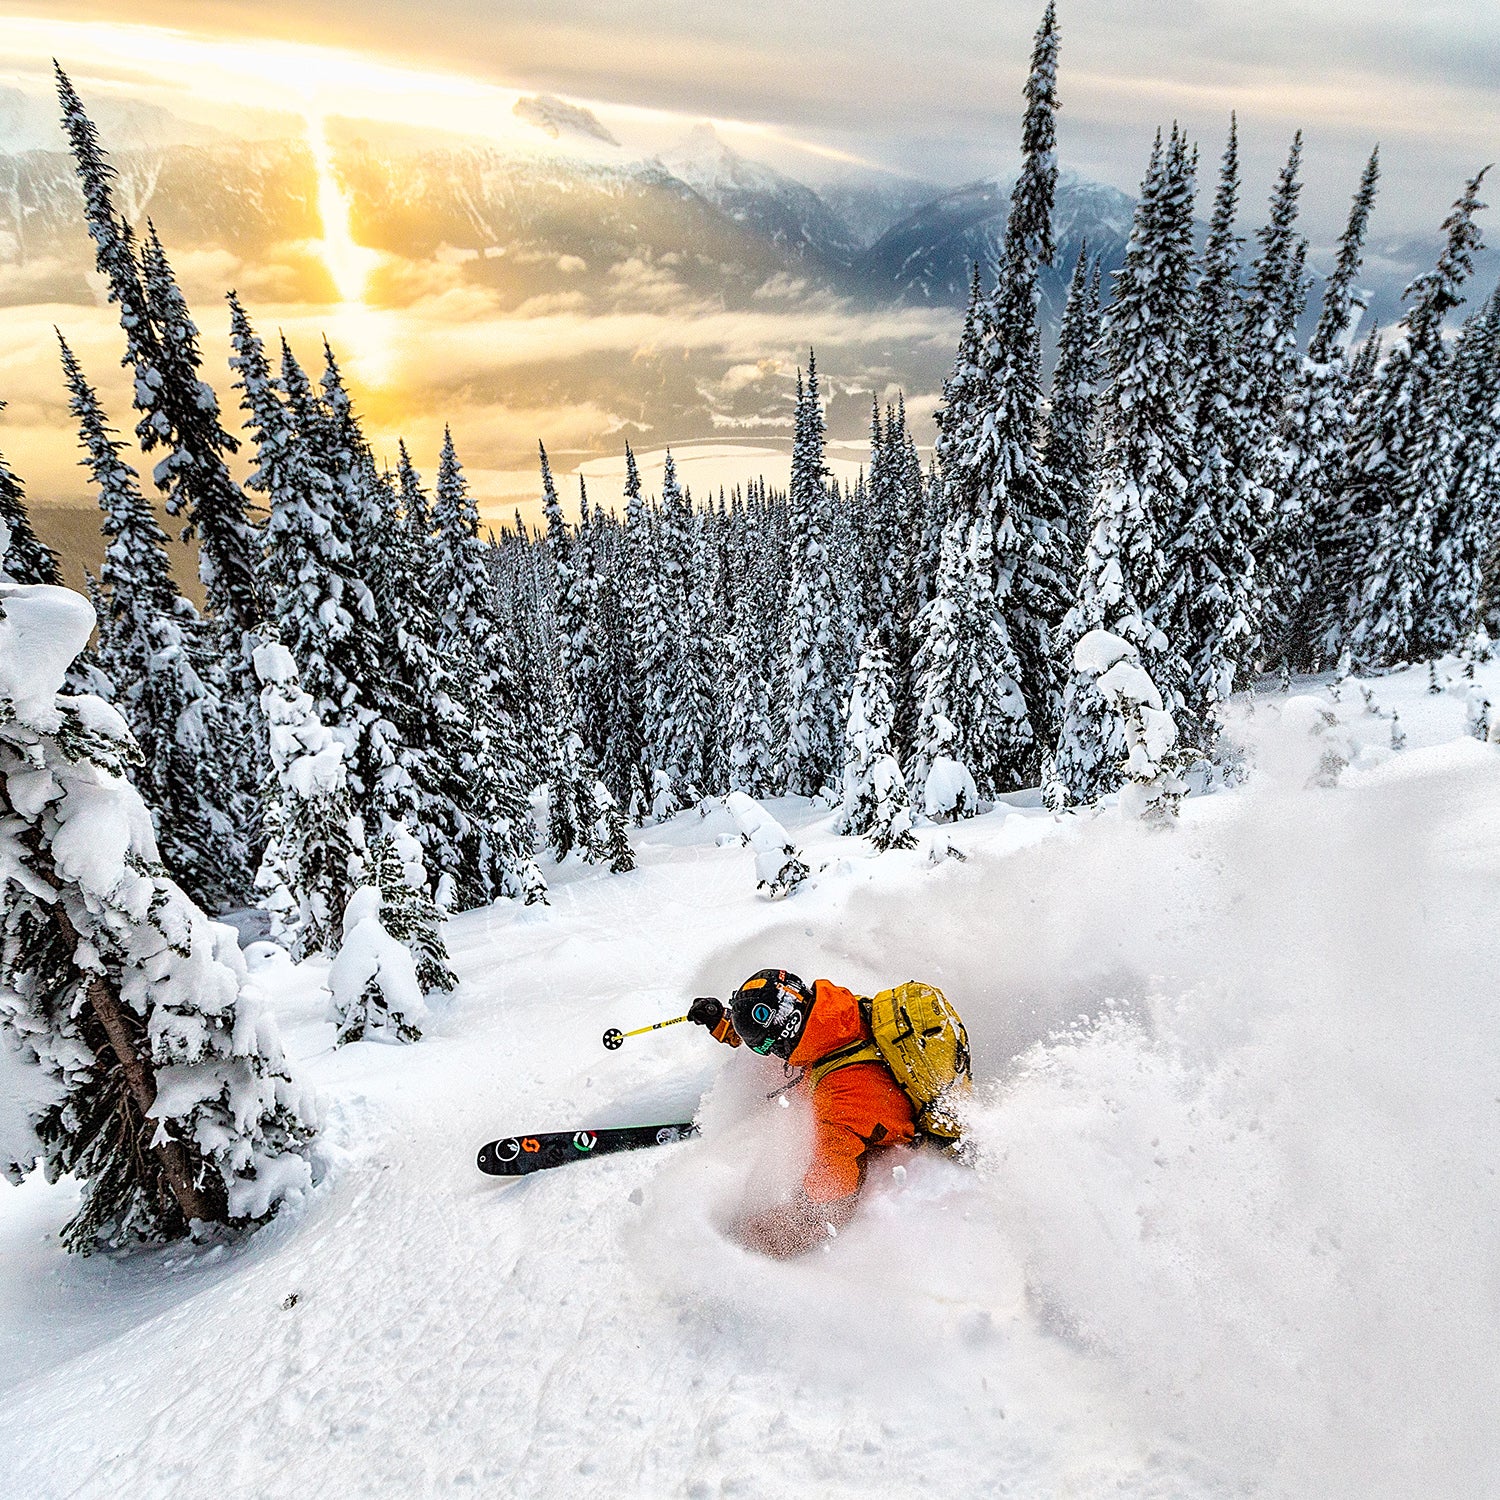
{"points": [[1232, 1230]]}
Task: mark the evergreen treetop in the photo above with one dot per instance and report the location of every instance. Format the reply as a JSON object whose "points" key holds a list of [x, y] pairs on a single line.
{"points": [[27, 559]]}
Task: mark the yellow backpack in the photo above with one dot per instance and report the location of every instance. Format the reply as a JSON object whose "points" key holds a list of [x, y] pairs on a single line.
{"points": [[920, 1038]]}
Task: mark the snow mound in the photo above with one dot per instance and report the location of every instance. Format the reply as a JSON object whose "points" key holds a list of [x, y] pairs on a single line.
{"points": [[373, 978], [42, 630], [949, 789]]}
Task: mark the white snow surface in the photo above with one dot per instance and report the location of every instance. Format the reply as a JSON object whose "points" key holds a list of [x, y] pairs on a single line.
{"points": [[1232, 1229], [948, 783], [369, 953], [42, 630], [1098, 650], [772, 844]]}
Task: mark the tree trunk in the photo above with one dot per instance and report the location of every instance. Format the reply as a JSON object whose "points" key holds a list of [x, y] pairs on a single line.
{"points": [[176, 1164]]}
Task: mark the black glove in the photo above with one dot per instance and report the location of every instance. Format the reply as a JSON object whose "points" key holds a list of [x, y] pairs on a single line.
{"points": [[706, 1011]]}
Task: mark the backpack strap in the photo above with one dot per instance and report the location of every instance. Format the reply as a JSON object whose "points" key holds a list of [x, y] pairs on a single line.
{"points": [[846, 1057]]}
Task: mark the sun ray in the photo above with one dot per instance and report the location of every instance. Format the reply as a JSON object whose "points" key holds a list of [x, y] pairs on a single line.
{"points": [[349, 263]]}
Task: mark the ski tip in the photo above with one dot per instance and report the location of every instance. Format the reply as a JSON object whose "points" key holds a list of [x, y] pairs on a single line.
{"points": [[495, 1156]]}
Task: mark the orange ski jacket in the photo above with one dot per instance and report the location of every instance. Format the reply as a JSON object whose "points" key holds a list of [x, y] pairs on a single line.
{"points": [[856, 1109]]}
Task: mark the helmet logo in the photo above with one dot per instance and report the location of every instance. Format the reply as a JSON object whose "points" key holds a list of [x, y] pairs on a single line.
{"points": [[773, 1019]]}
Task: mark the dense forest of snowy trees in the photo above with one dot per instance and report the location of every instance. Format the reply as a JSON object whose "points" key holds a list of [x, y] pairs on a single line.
{"points": [[351, 733]]}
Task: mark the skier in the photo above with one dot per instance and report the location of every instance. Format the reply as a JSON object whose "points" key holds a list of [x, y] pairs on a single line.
{"points": [[846, 1048]]}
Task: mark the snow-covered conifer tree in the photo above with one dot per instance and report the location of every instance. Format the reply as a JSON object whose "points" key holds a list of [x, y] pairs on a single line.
{"points": [[580, 639], [818, 645], [622, 620], [1090, 749], [1365, 361], [703, 645], [987, 451], [1208, 602], [27, 558], [1072, 448], [165, 1093], [1400, 453], [621, 590], [1274, 300], [194, 475], [315, 857], [1152, 787], [678, 688], [373, 977], [1148, 449], [164, 674], [179, 411], [581, 813], [1144, 471], [407, 910], [753, 736], [1306, 540], [398, 770], [622, 766], [780, 866], [971, 707], [885, 538], [750, 716], [956, 418], [415, 508], [491, 761], [1466, 518], [1476, 471], [307, 567], [876, 801], [656, 565]]}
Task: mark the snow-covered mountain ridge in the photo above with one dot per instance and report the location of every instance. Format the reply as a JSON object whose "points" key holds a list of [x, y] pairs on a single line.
{"points": [[563, 187]]}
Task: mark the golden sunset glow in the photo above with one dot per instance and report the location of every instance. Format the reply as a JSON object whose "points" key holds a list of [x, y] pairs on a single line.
{"points": [[559, 291], [313, 81], [349, 263]]}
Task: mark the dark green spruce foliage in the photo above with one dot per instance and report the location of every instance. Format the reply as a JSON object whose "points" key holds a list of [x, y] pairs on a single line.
{"points": [[1397, 478], [163, 665], [27, 558], [1306, 540]]}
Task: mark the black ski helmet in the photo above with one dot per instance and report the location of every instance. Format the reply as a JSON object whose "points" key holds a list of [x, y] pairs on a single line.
{"points": [[770, 1011]]}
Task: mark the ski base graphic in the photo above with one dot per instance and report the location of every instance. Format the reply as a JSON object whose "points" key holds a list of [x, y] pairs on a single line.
{"points": [[520, 1155]]}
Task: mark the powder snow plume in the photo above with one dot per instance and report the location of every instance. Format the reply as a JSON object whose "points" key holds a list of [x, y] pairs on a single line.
{"points": [[1236, 1148]]}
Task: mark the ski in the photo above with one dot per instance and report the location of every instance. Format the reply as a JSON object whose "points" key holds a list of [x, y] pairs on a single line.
{"points": [[519, 1155]]}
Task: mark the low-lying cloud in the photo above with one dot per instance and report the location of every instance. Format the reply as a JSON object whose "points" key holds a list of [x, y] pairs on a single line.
{"points": [[635, 355]]}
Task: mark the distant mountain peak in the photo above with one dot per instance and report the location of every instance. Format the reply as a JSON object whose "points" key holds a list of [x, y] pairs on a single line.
{"points": [[28, 122], [557, 118], [712, 167]]}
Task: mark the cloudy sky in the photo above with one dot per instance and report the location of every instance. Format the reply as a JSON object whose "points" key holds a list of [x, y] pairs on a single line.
{"points": [[926, 89], [931, 89]]}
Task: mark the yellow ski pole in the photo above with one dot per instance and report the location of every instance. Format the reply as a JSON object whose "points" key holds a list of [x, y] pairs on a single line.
{"points": [[614, 1037]]}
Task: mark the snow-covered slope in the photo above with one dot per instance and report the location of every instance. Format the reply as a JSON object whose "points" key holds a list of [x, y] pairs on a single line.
{"points": [[1231, 1229]]}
